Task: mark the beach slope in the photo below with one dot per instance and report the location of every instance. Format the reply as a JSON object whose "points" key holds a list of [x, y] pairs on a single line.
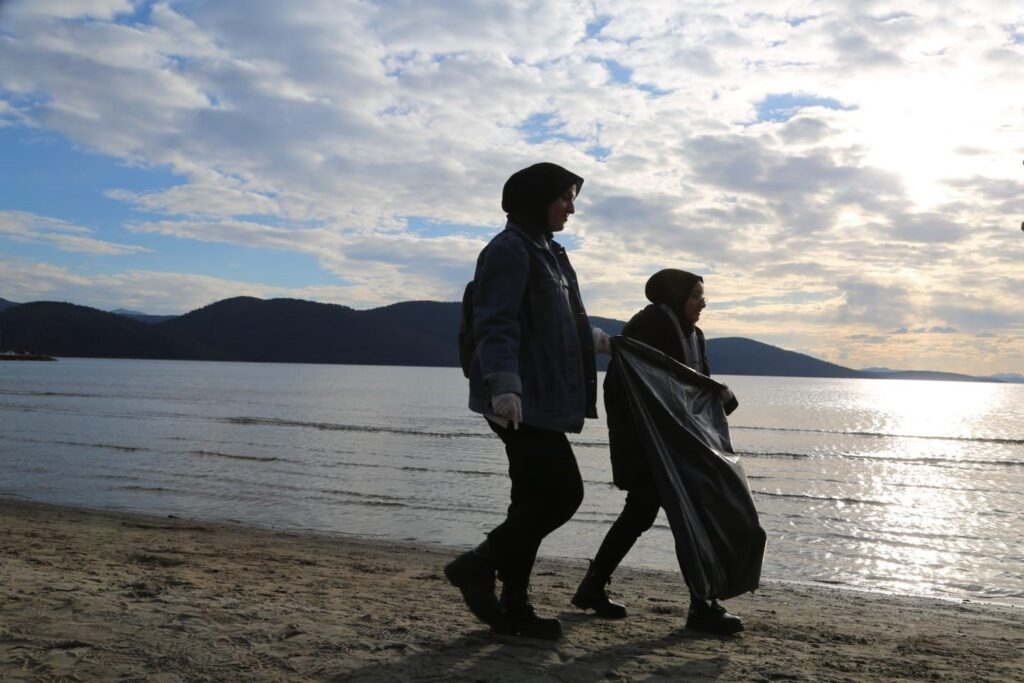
{"points": [[103, 596]]}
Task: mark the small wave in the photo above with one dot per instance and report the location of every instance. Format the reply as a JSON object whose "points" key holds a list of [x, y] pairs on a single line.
{"points": [[886, 435], [996, 513], [156, 489], [478, 473], [354, 498], [115, 477], [256, 458], [108, 446], [952, 487], [589, 444], [331, 426], [68, 394], [958, 462], [831, 499], [770, 454]]}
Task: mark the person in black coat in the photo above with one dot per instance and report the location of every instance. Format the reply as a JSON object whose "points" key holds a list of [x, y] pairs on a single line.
{"points": [[669, 325]]}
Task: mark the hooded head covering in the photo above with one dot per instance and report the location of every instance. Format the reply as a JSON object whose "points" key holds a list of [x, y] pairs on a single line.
{"points": [[529, 192], [671, 286]]}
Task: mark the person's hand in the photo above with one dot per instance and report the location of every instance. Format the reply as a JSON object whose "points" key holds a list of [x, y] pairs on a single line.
{"points": [[729, 401], [508, 406], [602, 342]]}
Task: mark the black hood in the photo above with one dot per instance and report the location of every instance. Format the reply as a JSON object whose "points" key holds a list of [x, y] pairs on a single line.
{"points": [[529, 192], [671, 286]]}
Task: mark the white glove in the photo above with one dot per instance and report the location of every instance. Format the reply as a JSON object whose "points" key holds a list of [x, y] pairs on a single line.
{"points": [[602, 342], [508, 406]]}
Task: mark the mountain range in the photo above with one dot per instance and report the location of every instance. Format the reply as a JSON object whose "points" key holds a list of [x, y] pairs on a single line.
{"points": [[296, 331]]}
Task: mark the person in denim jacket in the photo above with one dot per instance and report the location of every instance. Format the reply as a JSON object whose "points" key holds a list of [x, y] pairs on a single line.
{"points": [[533, 377]]}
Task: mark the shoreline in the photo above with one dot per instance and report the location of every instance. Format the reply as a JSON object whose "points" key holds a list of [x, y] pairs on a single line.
{"points": [[121, 595], [669, 576]]}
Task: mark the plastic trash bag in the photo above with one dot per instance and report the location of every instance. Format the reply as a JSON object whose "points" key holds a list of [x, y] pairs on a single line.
{"points": [[679, 417]]}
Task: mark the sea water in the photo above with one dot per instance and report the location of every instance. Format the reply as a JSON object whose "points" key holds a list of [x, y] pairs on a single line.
{"points": [[894, 485]]}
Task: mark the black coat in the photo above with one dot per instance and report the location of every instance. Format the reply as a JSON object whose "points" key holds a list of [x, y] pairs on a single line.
{"points": [[654, 327]]}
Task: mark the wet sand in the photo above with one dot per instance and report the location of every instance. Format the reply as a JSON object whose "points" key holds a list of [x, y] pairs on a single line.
{"points": [[90, 595]]}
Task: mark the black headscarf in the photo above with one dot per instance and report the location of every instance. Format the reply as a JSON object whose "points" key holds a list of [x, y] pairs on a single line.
{"points": [[673, 287], [529, 192]]}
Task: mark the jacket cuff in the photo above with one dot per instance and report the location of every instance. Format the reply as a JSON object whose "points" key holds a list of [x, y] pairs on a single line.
{"points": [[503, 383]]}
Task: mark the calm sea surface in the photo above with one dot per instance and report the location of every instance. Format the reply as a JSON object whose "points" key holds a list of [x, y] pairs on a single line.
{"points": [[905, 486]]}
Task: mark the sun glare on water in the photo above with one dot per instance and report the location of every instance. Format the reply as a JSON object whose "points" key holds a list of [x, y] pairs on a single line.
{"points": [[921, 408], [926, 517]]}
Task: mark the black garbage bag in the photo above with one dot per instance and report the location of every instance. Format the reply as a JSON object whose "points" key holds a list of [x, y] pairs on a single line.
{"points": [[681, 422]]}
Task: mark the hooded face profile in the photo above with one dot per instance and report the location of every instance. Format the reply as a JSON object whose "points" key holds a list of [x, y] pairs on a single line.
{"points": [[528, 193], [671, 287]]}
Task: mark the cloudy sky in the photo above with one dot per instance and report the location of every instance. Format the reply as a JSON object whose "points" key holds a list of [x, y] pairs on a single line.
{"points": [[846, 174]]}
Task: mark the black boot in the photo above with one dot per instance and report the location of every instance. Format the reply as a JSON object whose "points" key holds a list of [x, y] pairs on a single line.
{"points": [[709, 616], [473, 573], [591, 595], [521, 618]]}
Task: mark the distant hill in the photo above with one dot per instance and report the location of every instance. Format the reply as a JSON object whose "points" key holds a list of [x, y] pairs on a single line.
{"points": [[5, 304], [296, 331], [62, 329], [142, 317], [609, 325], [740, 356], [887, 373]]}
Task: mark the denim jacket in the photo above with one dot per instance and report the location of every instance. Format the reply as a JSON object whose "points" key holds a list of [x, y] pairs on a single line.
{"points": [[532, 333]]}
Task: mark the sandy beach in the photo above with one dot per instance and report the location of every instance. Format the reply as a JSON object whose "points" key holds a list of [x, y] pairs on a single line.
{"points": [[103, 596]]}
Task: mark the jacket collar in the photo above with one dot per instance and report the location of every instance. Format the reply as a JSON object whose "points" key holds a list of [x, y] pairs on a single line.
{"points": [[555, 246]]}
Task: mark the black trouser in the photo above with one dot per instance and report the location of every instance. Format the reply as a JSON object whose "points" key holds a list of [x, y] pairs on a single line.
{"points": [[637, 516], [546, 491]]}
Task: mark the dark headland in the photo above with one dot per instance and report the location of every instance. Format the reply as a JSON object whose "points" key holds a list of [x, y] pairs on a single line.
{"points": [[416, 333]]}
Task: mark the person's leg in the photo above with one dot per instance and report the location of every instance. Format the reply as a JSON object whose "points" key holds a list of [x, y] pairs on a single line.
{"points": [[546, 490], [637, 516]]}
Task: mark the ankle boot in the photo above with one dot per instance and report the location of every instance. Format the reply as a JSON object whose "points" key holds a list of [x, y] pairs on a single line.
{"points": [[591, 595], [521, 619], [709, 616], [473, 574]]}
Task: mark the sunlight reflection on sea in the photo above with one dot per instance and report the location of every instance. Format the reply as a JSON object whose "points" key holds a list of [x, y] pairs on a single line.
{"points": [[907, 486]]}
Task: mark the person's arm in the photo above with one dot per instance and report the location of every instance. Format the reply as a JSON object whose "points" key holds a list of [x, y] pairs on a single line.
{"points": [[602, 342], [501, 279], [728, 399]]}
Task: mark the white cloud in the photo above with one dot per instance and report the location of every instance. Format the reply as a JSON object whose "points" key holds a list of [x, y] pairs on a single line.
{"points": [[336, 123], [22, 226], [201, 199], [65, 9], [380, 267]]}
